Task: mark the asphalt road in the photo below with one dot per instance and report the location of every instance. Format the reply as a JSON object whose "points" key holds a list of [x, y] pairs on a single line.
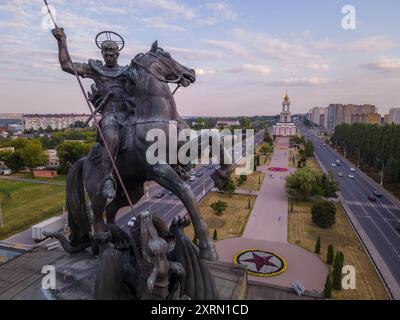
{"points": [[380, 220]]}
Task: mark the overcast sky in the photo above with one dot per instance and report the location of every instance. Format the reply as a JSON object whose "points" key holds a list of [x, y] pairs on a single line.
{"points": [[246, 53]]}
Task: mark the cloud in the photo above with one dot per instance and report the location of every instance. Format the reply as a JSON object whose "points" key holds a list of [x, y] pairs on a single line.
{"points": [[230, 46], [223, 10], [260, 69], [171, 6], [258, 47], [203, 72], [384, 64], [300, 82], [160, 23], [368, 44]]}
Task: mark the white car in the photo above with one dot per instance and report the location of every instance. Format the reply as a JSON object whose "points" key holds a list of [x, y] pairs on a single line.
{"points": [[333, 164], [192, 178], [352, 169], [351, 176], [131, 222]]}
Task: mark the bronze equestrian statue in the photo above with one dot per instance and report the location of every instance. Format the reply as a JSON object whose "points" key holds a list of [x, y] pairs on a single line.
{"points": [[133, 100]]}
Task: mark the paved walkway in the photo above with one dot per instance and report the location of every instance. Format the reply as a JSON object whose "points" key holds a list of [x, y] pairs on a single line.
{"points": [[267, 230], [269, 218]]}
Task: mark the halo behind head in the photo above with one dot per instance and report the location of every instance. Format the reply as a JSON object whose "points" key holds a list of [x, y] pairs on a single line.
{"points": [[109, 40]]}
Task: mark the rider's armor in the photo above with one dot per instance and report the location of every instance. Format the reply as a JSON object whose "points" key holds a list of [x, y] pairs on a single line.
{"points": [[111, 101]]}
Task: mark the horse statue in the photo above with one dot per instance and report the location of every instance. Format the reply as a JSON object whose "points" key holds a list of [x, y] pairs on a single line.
{"points": [[149, 75]]}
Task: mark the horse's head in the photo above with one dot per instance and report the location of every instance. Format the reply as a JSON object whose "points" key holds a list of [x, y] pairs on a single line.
{"points": [[161, 65]]}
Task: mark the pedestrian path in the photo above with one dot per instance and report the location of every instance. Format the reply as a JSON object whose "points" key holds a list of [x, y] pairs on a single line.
{"points": [[269, 217]]}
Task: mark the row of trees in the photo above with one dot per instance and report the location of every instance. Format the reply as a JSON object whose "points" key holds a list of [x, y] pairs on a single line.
{"points": [[373, 144]]}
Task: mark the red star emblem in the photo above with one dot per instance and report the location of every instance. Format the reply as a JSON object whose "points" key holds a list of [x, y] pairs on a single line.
{"points": [[261, 261]]}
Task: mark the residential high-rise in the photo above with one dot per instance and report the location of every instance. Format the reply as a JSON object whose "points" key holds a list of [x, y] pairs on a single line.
{"points": [[394, 116]]}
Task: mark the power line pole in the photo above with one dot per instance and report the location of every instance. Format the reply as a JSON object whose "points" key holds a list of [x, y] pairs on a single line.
{"points": [[382, 173]]}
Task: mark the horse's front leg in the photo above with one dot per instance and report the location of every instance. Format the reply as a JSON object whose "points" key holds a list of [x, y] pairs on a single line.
{"points": [[100, 234], [169, 179]]}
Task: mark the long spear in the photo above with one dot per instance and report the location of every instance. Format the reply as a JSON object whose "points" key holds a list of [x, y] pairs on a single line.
{"points": [[95, 120]]}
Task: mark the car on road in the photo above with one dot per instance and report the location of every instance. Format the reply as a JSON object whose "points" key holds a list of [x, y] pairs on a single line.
{"points": [[352, 169], [131, 222], [372, 198], [192, 178], [170, 193], [351, 176], [338, 162], [377, 193], [199, 174], [160, 195], [340, 174], [333, 164]]}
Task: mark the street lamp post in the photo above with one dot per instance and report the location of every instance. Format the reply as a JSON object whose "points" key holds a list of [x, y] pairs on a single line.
{"points": [[359, 155]]}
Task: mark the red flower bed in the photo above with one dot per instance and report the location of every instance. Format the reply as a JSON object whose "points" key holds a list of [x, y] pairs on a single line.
{"points": [[278, 169]]}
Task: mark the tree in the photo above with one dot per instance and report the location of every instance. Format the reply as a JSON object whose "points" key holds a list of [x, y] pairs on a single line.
{"points": [[329, 185], [330, 255], [241, 180], [323, 213], [14, 161], [69, 152], [302, 183], [219, 207], [318, 245], [266, 148], [328, 287], [33, 154], [215, 235], [244, 123], [267, 137], [309, 149], [337, 271], [230, 187]]}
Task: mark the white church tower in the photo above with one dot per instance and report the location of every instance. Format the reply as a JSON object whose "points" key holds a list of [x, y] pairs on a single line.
{"points": [[285, 127]]}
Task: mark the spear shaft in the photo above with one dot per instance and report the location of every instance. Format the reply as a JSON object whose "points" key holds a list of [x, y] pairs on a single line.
{"points": [[96, 123]]}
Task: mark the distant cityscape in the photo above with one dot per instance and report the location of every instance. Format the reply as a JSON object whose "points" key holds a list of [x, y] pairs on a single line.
{"points": [[335, 114]]}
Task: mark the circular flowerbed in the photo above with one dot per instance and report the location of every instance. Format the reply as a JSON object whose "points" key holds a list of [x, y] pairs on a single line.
{"points": [[261, 263], [278, 169]]}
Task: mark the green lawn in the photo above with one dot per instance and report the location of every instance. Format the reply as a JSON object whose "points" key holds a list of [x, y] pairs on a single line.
{"points": [[27, 204]]}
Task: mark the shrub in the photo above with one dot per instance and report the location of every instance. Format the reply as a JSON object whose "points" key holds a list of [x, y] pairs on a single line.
{"points": [[330, 255], [337, 271], [219, 207], [215, 235], [328, 287], [323, 213]]}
